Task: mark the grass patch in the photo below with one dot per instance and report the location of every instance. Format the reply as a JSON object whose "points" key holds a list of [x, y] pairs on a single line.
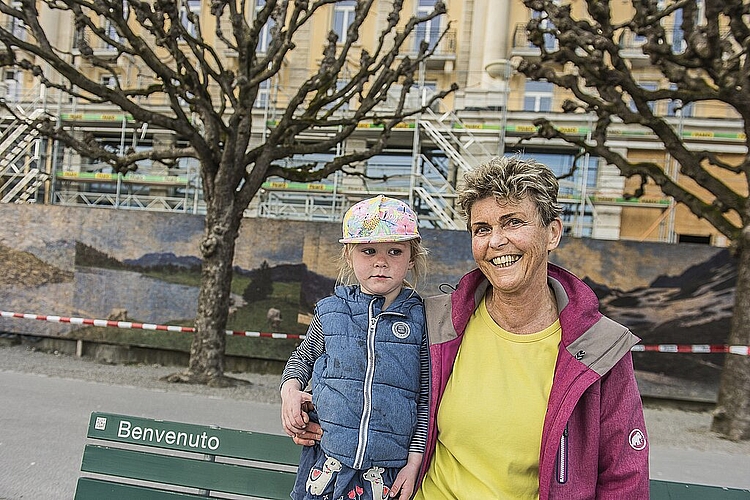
{"points": [[186, 277], [250, 317]]}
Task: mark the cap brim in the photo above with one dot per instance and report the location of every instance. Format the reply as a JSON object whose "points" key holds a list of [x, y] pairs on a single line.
{"points": [[383, 239]]}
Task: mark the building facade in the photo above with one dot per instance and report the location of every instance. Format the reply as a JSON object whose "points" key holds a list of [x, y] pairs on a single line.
{"points": [[475, 45]]}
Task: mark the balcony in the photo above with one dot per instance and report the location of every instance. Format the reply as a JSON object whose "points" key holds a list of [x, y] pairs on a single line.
{"points": [[444, 56], [100, 48]]}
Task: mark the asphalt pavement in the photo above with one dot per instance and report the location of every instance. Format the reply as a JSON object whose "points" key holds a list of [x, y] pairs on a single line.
{"points": [[43, 422]]}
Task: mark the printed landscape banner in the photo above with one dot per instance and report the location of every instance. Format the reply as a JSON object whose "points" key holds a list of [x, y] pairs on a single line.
{"points": [[145, 267]]}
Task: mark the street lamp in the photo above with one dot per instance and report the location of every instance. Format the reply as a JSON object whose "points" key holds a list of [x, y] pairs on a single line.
{"points": [[501, 70]]}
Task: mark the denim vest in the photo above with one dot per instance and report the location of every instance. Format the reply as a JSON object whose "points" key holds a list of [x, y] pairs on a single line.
{"points": [[365, 386]]}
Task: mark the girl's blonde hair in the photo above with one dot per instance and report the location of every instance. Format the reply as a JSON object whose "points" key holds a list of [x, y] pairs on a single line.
{"points": [[418, 256]]}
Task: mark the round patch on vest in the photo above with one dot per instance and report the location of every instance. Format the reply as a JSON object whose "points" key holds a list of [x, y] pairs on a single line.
{"points": [[400, 329], [637, 439]]}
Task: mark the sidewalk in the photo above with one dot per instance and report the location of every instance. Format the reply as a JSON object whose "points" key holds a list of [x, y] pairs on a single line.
{"points": [[47, 399], [43, 423]]}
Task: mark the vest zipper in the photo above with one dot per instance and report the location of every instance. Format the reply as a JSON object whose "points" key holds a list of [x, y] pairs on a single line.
{"points": [[364, 423]]}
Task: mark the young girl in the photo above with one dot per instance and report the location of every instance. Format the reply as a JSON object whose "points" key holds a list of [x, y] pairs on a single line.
{"points": [[367, 355]]}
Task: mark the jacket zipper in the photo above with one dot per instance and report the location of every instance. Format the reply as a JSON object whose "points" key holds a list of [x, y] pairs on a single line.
{"points": [[562, 458], [562, 455]]}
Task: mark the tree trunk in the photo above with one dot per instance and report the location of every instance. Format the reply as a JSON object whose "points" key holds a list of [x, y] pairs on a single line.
{"points": [[732, 415], [209, 341]]}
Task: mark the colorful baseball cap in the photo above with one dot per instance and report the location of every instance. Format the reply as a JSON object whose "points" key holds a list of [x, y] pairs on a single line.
{"points": [[379, 219]]}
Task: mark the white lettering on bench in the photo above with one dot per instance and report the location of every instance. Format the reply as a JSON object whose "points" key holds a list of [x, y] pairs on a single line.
{"points": [[202, 441]]}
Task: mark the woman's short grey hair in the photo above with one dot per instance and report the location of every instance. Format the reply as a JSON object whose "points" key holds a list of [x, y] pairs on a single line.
{"points": [[512, 178]]}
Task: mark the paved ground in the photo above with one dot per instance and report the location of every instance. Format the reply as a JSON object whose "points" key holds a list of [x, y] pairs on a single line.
{"points": [[45, 401]]}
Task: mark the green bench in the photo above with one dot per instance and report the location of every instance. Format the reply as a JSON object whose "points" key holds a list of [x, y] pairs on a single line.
{"points": [[667, 490], [145, 459]]}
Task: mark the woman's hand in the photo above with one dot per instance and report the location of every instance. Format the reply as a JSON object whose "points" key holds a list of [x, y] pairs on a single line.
{"points": [[310, 435], [406, 479]]}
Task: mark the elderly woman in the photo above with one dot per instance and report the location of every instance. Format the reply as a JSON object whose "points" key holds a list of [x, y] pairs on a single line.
{"points": [[533, 390]]}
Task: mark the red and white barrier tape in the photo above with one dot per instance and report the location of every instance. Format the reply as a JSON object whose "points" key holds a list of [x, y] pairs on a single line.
{"points": [[139, 326], [742, 350]]}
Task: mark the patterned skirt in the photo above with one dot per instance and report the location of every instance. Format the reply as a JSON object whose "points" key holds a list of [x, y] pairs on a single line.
{"points": [[325, 478]]}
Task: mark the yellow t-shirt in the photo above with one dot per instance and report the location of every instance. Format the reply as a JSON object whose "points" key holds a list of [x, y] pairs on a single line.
{"points": [[491, 416]]}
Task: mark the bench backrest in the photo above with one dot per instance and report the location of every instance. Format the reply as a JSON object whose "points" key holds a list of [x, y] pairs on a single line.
{"points": [[668, 490], [131, 457]]}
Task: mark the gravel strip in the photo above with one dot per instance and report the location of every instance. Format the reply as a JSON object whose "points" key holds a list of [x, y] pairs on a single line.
{"points": [[24, 359], [667, 427]]}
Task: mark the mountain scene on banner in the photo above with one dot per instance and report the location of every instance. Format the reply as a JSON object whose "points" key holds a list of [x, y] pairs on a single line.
{"points": [[694, 307]]}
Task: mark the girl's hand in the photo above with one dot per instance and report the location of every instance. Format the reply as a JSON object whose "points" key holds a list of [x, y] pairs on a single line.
{"points": [[293, 418]]}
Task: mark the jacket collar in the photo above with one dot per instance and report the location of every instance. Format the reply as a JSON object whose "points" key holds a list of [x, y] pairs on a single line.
{"points": [[577, 311]]}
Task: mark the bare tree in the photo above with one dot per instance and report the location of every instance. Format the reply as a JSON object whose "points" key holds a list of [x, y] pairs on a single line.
{"points": [[207, 103], [707, 64]]}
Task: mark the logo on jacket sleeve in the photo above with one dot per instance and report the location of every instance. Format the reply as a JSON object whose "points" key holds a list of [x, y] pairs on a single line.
{"points": [[400, 329], [637, 439]]}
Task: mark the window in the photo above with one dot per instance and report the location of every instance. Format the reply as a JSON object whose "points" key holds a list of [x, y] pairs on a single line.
{"points": [[694, 238], [574, 215], [562, 163], [110, 32], [340, 84], [676, 108], [538, 96], [194, 8], [109, 81], [12, 85], [550, 42], [678, 36], [264, 93], [79, 38], [264, 37], [343, 17], [14, 25], [428, 31], [648, 86]]}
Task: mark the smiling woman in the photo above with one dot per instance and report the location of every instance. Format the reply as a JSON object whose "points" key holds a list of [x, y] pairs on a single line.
{"points": [[536, 358]]}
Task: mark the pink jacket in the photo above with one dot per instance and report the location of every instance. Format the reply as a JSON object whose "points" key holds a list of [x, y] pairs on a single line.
{"points": [[594, 443]]}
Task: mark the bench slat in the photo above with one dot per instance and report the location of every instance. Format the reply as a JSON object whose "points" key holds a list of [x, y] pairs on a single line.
{"points": [[167, 469], [218, 441], [668, 490], [94, 489]]}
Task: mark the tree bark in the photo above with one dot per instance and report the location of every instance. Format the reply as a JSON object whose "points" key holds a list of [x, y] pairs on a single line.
{"points": [[732, 415], [209, 341]]}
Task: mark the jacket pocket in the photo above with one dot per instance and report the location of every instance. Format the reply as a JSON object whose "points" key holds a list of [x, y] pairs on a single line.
{"points": [[562, 458]]}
